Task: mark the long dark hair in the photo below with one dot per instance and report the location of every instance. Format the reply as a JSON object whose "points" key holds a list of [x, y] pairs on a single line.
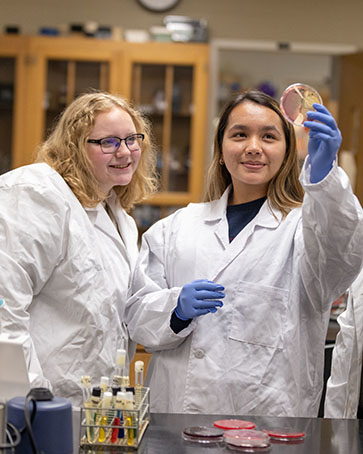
{"points": [[285, 191]]}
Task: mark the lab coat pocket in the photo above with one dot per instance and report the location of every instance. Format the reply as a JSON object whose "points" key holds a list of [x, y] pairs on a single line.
{"points": [[259, 315]]}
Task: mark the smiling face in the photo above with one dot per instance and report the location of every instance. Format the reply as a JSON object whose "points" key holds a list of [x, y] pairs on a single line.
{"points": [[113, 169], [253, 150]]}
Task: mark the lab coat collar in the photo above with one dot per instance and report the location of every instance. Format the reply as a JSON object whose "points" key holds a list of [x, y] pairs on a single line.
{"points": [[267, 217], [125, 225], [101, 220], [218, 220]]}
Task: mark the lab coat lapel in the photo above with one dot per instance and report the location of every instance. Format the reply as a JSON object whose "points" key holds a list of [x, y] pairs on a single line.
{"points": [[102, 221], [128, 234], [127, 231], [266, 218]]}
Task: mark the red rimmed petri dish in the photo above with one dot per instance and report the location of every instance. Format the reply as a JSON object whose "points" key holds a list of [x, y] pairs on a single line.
{"points": [[283, 435], [203, 434], [296, 101], [247, 440], [230, 424]]}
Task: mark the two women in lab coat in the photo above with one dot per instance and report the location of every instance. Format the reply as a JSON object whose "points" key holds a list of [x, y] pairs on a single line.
{"points": [[67, 244], [232, 296]]}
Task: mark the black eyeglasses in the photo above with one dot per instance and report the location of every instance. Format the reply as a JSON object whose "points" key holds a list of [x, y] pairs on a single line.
{"points": [[110, 145]]}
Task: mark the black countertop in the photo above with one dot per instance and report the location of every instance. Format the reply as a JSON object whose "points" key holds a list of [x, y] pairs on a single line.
{"points": [[323, 436]]}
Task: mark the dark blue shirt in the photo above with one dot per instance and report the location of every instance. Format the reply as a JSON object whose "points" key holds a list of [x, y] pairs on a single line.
{"points": [[240, 215]]}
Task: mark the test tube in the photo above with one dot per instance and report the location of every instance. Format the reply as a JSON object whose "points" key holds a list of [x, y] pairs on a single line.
{"points": [[129, 419], [86, 387], [119, 406], [104, 384], [87, 404], [105, 416], [125, 382], [139, 382], [120, 361], [93, 416]]}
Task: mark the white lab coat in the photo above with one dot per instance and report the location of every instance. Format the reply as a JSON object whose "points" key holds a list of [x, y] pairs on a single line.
{"points": [[343, 387], [64, 274], [263, 351]]}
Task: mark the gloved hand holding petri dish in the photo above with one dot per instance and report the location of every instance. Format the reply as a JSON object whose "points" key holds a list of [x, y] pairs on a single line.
{"points": [[297, 100]]}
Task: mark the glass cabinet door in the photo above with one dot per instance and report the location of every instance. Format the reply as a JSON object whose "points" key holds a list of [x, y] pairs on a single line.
{"points": [[164, 94], [66, 79], [7, 78]]}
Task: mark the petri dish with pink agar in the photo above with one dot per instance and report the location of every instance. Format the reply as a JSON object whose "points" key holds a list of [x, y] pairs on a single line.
{"points": [[297, 100], [285, 435], [247, 440], [202, 434], [230, 424]]}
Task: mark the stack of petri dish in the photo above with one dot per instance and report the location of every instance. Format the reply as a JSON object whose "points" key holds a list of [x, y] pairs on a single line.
{"points": [[247, 440], [282, 435], [202, 434]]}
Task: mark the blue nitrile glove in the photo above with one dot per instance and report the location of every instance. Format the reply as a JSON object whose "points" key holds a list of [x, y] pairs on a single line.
{"points": [[198, 298], [324, 142]]}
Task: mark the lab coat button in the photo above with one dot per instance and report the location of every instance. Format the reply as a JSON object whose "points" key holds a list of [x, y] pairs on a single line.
{"points": [[199, 353]]}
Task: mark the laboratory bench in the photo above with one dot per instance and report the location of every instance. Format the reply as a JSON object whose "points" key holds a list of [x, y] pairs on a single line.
{"points": [[323, 436]]}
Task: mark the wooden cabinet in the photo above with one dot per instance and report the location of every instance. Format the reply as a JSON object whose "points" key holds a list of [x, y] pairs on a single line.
{"points": [[351, 114], [57, 70], [169, 83], [12, 95]]}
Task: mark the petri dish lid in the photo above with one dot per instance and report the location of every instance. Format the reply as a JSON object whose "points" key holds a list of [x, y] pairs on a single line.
{"points": [[230, 424], [203, 434], [247, 438], [296, 101], [283, 434]]}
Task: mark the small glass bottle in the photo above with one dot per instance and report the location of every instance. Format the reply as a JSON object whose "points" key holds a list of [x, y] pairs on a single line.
{"points": [[139, 382]]}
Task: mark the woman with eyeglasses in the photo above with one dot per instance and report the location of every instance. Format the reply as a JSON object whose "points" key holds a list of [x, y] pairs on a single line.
{"points": [[67, 244]]}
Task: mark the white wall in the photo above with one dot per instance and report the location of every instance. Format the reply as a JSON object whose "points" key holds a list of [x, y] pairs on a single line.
{"points": [[327, 21]]}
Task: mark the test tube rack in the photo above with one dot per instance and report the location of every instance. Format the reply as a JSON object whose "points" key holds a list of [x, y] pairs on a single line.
{"points": [[117, 428]]}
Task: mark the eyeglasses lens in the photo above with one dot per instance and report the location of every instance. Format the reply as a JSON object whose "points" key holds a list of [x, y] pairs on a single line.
{"points": [[133, 143], [112, 144]]}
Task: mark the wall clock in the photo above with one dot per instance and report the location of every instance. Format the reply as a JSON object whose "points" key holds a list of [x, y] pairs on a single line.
{"points": [[158, 6]]}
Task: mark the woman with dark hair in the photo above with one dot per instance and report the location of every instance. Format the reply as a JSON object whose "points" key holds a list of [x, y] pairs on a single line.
{"points": [[277, 251], [68, 245]]}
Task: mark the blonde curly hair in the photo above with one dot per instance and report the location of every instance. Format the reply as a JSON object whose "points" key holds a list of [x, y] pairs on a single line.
{"points": [[65, 151]]}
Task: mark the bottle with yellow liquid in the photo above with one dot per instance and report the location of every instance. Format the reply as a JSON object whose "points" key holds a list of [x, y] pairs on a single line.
{"points": [[129, 419], [105, 416]]}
